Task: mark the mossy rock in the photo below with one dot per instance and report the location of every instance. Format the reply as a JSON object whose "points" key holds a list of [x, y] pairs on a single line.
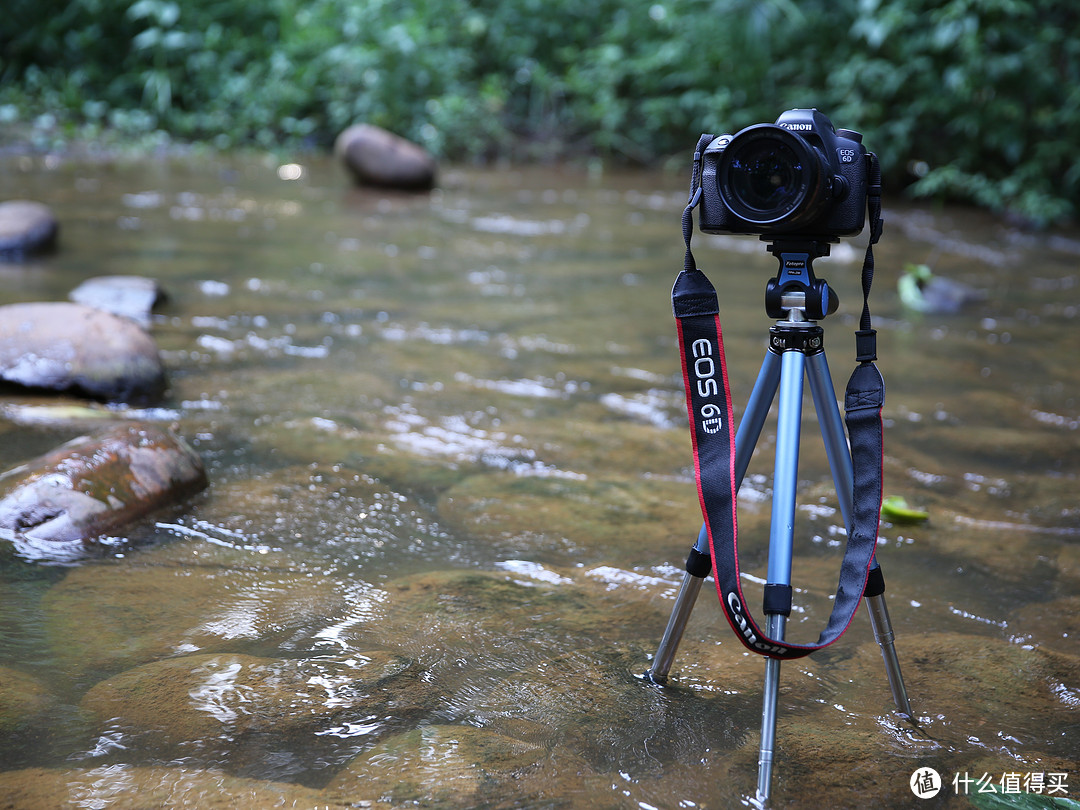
{"points": [[143, 612], [23, 701], [240, 707], [94, 485], [992, 687], [559, 517], [442, 766], [153, 788]]}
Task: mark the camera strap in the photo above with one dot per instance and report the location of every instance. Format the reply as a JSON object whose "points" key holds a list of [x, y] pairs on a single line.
{"points": [[708, 396]]}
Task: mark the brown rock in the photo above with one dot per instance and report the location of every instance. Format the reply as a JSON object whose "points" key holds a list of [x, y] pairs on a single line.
{"points": [[380, 158], [96, 484]]}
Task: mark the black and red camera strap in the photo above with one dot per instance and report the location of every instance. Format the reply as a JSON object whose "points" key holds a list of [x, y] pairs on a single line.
{"points": [[697, 315]]}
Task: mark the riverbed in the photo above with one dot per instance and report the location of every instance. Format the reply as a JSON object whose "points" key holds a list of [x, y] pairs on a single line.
{"points": [[451, 495]]}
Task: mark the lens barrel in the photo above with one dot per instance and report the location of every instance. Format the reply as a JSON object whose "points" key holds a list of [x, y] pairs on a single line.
{"points": [[770, 177]]}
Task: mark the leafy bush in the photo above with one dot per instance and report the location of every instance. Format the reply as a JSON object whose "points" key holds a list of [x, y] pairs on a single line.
{"points": [[967, 99], [979, 96]]}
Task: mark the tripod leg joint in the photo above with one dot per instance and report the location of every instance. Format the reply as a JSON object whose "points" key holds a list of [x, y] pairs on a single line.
{"points": [[777, 599], [698, 563]]}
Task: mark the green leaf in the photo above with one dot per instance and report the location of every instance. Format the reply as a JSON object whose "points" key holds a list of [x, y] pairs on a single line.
{"points": [[895, 509]]}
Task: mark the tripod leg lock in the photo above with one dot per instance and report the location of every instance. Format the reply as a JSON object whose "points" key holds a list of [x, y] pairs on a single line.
{"points": [[875, 582], [698, 564], [777, 600]]}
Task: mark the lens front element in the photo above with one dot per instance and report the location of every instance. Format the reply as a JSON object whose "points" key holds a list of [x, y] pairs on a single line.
{"points": [[768, 176]]}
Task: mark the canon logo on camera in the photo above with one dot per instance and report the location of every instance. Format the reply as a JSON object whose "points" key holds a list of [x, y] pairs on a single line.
{"points": [[799, 127]]}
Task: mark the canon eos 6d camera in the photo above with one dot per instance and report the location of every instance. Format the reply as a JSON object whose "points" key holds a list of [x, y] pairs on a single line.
{"points": [[797, 177]]}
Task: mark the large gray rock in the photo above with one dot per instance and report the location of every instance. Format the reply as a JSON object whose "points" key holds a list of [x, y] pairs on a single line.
{"points": [[79, 349], [95, 485], [26, 227], [380, 158]]}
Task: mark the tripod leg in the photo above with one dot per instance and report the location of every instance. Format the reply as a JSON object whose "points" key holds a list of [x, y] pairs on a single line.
{"points": [[874, 597], [836, 448], [832, 431], [781, 538], [699, 563], [698, 566], [775, 628]]}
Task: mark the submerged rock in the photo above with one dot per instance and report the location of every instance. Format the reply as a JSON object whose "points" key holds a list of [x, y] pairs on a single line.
{"points": [[477, 618], [22, 701], [238, 708], [443, 765], [380, 158], [75, 348], [641, 517], [1053, 625], [133, 297], [95, 485], [38, 411], [970, 686], [151, 788], [26, 228], [184, 597], [923, 291]]}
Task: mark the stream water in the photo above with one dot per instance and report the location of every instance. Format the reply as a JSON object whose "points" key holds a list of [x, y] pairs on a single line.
{"points": [[451, 497]]}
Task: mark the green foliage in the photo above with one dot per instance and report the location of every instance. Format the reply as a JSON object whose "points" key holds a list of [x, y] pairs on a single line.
{"points": [[977, 95], [1021, 801], [967, 99]]}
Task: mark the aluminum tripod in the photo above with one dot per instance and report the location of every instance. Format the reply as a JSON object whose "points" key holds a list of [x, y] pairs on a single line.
{"points": [[796, 351]]}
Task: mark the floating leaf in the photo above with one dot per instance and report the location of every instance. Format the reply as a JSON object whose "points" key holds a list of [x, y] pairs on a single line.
{"points": [[895, 509]]}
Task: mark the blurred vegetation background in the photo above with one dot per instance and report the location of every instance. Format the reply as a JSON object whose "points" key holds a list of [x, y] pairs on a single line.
{"points": [[973, 100]]}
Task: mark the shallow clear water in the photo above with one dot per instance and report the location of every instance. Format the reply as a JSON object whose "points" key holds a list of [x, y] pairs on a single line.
{"points": [[446, 440]]}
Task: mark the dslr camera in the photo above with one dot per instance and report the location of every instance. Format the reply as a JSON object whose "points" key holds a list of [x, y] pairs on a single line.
{"points": [[799, 177]]}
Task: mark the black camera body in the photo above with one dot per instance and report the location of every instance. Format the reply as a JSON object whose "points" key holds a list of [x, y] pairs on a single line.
{"points": [[799, 177]]}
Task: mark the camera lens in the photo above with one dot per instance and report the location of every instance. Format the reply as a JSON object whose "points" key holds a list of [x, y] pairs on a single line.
{"points": [[768, 176]]}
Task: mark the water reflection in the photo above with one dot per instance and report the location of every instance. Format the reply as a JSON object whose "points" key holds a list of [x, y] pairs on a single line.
{"points": [[452, 493]]}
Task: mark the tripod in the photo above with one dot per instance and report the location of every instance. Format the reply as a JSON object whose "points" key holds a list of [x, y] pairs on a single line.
{"points": [[797, 299]]}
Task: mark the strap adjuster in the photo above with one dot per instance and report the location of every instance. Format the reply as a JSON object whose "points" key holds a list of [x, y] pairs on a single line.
{"points": [[866, 345]]}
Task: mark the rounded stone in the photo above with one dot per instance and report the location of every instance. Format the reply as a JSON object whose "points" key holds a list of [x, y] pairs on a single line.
{"points": [[133, 297], [68, 347], [380, 158], [26, 227], [96, 484]]}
